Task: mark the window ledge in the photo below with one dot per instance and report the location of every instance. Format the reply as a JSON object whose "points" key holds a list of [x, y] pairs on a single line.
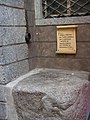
{"points": [[63, 21]]}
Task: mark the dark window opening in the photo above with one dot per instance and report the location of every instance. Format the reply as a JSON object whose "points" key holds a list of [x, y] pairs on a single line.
{"points": [[65, 8]]}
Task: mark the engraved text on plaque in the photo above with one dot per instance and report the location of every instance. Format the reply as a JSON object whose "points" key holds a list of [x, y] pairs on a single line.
{"points": [[66, 39]]}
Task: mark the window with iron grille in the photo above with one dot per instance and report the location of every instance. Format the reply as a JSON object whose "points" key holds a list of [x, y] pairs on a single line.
{"points": [[53, 12], [64, 8]]}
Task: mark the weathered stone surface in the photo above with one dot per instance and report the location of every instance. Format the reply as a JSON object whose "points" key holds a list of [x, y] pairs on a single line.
{"points": [[10, 54], [12, 35], [1, 34], [12, 16], [53, 95], [2, 60], [19, 17], [62, 62], [29, 5], [33, 63], [15, 3], [49, 49], [3, 75], [22, 51], [42, 33], [11, 111], [31, 18], [3, 115], [23, 67], [13, 53], [45, 46], [83, 32], [12, 71], [6, 15], [2, 93]]}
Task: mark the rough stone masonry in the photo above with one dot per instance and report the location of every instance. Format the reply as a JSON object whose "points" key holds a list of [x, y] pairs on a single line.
{"points": [[50, 94], [13, 49]]}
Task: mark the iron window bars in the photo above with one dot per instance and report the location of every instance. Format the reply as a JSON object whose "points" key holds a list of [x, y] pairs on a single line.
{"points": [[65, 8]]}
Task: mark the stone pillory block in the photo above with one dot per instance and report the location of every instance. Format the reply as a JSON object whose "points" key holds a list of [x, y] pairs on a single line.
{"points": [[51, 94]]}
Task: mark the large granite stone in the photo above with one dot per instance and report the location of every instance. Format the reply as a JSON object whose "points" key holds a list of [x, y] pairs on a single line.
{"points": [[13, 53], [12, 35], [53, 95], [12, 16], [12, 71]]}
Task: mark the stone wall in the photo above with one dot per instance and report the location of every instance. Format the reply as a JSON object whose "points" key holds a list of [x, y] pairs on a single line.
{"points": [[30, 11], [46, 49], [42, 49], [13, 49]]}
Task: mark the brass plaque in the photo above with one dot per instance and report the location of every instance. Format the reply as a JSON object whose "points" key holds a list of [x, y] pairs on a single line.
{"points": [[66, 39]]}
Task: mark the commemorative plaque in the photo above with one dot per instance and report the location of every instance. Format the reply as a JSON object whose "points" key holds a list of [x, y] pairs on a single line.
{"points": [[66, 39]]}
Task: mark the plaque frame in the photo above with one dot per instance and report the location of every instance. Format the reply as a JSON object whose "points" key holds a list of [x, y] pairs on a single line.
{"points": [[66, 39]]}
